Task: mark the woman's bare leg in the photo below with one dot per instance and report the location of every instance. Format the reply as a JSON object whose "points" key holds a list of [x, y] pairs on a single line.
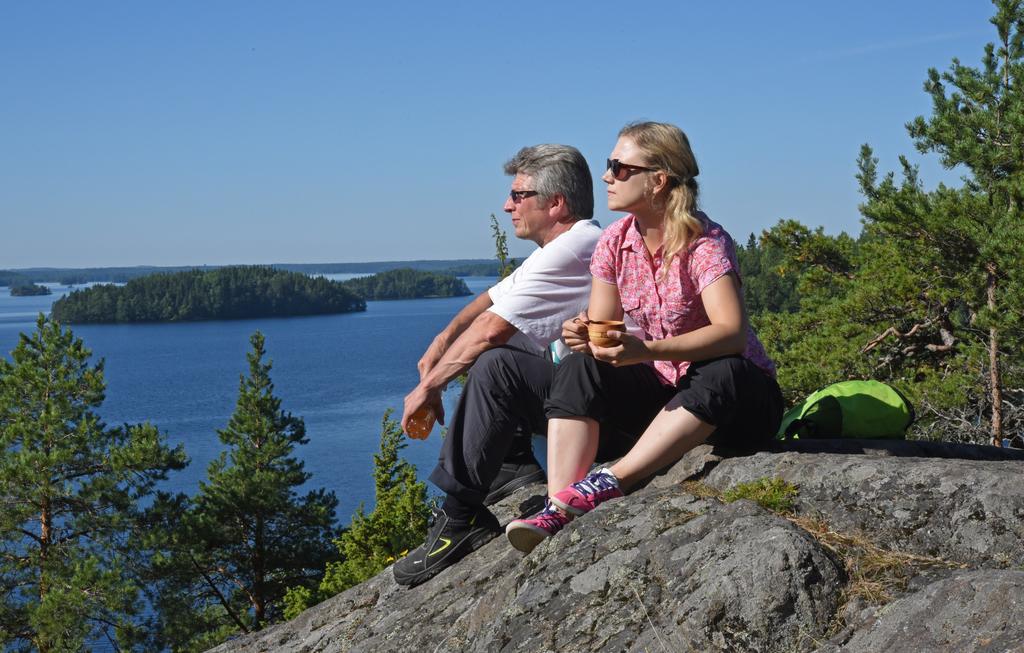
{"points": [[673, 432], [572, 447]]}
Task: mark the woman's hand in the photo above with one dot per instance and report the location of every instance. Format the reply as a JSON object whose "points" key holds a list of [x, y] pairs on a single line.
{"points": [[574, 333], [632, 350]]}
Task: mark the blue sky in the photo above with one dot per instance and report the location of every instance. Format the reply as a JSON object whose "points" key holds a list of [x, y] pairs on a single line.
{"points": [[228, 132]]}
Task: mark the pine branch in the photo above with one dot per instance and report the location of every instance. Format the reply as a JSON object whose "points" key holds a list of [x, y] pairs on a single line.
{"points": [[220, 597], [893, 331]]}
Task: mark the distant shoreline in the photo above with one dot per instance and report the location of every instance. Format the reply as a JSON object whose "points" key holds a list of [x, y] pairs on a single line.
{"points": [[75, 276]]}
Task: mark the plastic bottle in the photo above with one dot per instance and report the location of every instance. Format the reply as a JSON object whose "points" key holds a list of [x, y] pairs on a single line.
{"points": [[421, 423]]}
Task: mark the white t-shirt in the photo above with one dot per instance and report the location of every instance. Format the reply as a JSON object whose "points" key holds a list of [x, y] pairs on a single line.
{"points": [[551, 286]]}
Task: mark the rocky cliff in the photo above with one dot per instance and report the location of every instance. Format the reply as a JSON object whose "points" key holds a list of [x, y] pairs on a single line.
{"points": [[888, 546]]}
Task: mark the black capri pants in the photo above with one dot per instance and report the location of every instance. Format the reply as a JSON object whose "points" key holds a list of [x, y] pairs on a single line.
{"points": [[734, 395]]}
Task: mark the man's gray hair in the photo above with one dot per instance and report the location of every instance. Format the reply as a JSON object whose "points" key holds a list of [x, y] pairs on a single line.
{"points": [[557, 170]]}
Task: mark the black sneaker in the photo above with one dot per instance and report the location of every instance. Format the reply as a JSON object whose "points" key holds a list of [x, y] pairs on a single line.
{"points": [[512, 477], [447, 543]]}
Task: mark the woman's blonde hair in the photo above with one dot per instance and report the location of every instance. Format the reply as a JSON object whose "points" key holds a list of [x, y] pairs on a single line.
{"points": [[668, 149]]}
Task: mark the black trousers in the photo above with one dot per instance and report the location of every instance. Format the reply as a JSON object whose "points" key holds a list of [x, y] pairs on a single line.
{"points": [[731, 393], [504, 395], [501, 405]]}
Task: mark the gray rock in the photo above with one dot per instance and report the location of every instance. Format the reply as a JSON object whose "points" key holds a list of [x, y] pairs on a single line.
{"points": [[969, 511], [967, 611], [694, 464], [663, 570], [379, 615]]}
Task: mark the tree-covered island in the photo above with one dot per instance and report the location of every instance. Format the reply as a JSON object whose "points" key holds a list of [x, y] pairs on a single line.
{"points": [[29, 290], [407, 283], [241, 292], [229, 293]]}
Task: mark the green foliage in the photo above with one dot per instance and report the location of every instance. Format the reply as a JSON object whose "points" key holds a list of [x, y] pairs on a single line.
{"points": [[397, 523], [29, 290], [297, 599], [223, 294], [505, 265], [930, 297], [772, 494], [225, 559], [818, 344], [406, 283], [71, 488], [766, 287]]}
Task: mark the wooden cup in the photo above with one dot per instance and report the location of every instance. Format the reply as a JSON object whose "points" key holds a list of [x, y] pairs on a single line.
{"points": [[596, 332]]}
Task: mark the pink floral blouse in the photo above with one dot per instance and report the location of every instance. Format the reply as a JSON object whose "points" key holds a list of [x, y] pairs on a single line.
{"points": [[668, 307]]}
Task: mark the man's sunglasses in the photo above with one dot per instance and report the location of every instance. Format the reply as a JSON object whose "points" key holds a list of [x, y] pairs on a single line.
{"points": [[520, 195], [621, 170]]}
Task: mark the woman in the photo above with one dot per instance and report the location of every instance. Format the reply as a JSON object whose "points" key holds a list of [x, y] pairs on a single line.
{"points": [[700, 370]]}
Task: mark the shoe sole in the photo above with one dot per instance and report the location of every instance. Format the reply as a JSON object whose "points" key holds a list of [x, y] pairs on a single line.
{"points": [[525, 537], [516, 483], [463, 549]]}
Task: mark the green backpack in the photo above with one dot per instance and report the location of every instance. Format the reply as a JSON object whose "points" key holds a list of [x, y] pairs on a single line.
{"points": [[850, 409]]}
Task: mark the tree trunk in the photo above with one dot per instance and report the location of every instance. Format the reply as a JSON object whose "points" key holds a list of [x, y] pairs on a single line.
{"points": [[45, 536], [993, 362], [259, 574]]}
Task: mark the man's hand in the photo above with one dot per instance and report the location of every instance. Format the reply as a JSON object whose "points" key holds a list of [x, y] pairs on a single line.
{"points": [[430, 357], [422, 396], [632, 350], [574, 333]]}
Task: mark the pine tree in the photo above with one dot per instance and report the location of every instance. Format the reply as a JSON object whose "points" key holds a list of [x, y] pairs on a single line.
{"points": [[505, 265], [71, 488], [229, 555], [930, 297], [819, 343], [397, 523], [968, 242]]}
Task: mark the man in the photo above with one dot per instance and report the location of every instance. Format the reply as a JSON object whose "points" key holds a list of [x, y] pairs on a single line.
{"points": [[503, 336]]}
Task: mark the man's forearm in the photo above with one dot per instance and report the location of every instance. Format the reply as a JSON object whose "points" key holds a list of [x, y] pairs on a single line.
{"points": [[462, 320], [487, 331]]}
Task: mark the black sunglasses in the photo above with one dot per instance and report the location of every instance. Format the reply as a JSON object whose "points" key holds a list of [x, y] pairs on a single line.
{"points": [[621, 170], [519, 195]]}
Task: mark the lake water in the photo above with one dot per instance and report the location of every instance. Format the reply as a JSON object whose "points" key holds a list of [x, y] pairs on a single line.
{"points": [[338, 372]]}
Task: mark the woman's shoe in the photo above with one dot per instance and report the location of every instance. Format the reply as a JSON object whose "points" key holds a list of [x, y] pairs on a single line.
{"points": [[525, 534], [583, 496]]}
